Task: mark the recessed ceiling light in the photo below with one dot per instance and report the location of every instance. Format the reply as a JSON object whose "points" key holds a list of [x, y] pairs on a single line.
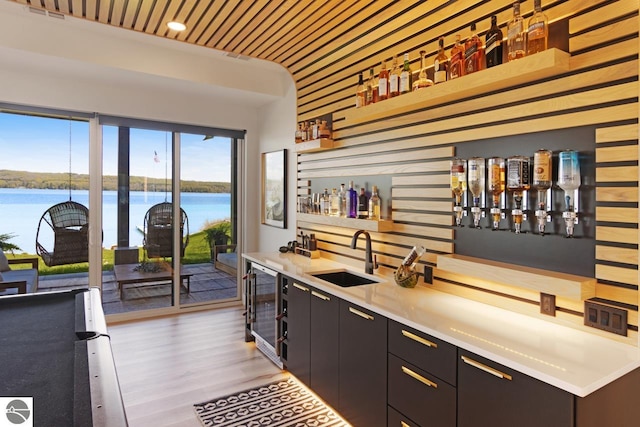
{"points": [[176, 26]]}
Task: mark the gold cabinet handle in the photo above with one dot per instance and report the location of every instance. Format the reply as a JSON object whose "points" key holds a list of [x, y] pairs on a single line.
{"points": [[419, 377], [302, 288], [486, 368], [361, 314], [421, 340], [319, 295], [403, 424]]}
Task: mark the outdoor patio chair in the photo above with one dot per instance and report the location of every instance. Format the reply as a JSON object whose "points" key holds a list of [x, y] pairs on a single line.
{"points": [[69, 222], [158, 231]]}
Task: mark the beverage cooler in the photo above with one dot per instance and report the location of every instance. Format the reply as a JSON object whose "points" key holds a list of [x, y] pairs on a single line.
{"points": [[262, 301]]}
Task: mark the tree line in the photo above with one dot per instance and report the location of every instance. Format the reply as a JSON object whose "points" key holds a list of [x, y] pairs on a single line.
{"points": [[60, 181]]}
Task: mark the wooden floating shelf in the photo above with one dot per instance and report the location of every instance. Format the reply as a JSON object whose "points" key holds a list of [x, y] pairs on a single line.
{"points": [[528, 69], [355, 223], [548, 282], [314, 145]]}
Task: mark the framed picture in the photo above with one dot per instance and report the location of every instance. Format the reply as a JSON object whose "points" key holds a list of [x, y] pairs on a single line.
{"points": [[274, 185]]}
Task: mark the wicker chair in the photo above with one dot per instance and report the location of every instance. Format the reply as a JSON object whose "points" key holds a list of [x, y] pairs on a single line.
{"points": [[158, 231], [69, 222]]}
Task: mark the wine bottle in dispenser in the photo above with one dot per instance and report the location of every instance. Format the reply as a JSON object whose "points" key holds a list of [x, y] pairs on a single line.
{"points": [[496, 176], [569, 181], [518, 181], [458, 181], [476, 181], [542, 183]]}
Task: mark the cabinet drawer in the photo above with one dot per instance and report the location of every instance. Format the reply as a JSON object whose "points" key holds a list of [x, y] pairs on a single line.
{"points": [[420, 396], [396, 419], [424, 351]]}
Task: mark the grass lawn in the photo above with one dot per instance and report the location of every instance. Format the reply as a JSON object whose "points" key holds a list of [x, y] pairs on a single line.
{"points": [[197, 252]]}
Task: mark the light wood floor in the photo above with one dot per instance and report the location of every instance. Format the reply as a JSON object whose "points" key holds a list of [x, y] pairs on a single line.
{"points": [[166, 365]]}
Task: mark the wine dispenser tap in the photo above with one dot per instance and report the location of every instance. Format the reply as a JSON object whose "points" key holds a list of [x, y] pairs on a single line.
{"points": [[518, 182], [496, 176], [458, 180], [476, 182], [569, 181]]}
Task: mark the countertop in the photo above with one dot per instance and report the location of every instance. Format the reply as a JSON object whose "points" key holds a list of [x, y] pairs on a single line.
{"points": [[572, 360]]}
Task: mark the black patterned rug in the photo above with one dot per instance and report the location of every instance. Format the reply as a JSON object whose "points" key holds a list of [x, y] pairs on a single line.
{"points": [[278, 404]]}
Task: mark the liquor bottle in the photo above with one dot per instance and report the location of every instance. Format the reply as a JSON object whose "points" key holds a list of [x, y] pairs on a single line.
{"points": [[325, 206], [363, 204], [405, 75], [315, 130], [413, 256], [422, 81], [394, 79], [441, 64], [496, 187], [475, 182], [334, 203], [360, 92], [569, 181], [518, 181], [542, 183], [516, 35], [374, 204], [368, 100], [383, 82], [456, 68], [493, 44], [352, 202], [342, 196], [473, 52], [299, 133], [324, 131], [537, 30], [458, 179]]}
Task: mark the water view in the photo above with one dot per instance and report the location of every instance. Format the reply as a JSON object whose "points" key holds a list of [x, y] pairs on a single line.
{"points": [[21, 210]]}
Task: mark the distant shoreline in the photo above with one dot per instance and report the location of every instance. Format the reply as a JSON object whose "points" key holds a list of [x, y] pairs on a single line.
{"points": [[60, 181]]}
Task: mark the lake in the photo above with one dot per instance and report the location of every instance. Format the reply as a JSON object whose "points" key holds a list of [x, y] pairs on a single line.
{"points": [[21, 210]]}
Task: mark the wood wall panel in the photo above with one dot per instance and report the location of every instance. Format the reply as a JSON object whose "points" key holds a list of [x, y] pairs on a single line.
{"points": [[414, 146]]}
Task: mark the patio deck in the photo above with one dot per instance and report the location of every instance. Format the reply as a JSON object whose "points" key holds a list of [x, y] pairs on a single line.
{"points": [[207, 284]]}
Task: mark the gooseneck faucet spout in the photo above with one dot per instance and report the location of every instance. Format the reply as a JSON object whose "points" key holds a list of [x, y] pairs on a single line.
{"points": [[368, 264]]}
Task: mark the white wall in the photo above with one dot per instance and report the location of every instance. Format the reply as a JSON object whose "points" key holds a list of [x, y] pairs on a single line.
{"points": [[77, 65]]}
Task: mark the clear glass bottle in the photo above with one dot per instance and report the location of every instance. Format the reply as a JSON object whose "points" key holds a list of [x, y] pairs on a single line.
{"points": [[516, 35], [422, 81], [493, 44], [518, 181], [374, 204], [334, 203], [352, 201], [413, 256], [405, 75], [383, 82], [542, 184], [394, 79], [458, 179], [360, 92], [476, 183], [363, 204], [440, 64], [325, 203], [569, 181], [299, 133], [537, 30], [342, 196], [496, 175], [456, 62], [473, 52]]}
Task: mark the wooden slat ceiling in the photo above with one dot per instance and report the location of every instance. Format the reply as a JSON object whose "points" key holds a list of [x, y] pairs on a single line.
{"points": [[288, 32]]}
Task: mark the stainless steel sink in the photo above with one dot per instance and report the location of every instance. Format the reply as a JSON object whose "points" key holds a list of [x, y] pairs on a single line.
{"points": [[343, 278]]}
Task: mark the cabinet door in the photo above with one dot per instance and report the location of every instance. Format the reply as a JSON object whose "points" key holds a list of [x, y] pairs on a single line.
{"points": [[363, 366], [298, 324], [324, 371], [491, 395]]}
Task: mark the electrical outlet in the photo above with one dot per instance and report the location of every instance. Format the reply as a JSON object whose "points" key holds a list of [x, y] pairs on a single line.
{"points": [[548, 304], [428, 274], [605, 317]]}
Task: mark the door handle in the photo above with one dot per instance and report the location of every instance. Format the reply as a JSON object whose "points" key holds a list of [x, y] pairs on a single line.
{"points": [[419, 377], [421, 340], [319, 295], [487, 369], [302, 288], [360, 313]]}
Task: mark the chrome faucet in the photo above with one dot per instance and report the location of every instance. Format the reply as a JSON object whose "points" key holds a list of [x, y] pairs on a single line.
{"points": [[369, 265]]}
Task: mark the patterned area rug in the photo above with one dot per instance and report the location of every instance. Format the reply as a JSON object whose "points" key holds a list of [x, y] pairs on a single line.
{"points": [[278, 404]]}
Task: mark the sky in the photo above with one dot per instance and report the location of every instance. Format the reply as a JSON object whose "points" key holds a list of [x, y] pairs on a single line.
{"points": [[37, 144]]}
